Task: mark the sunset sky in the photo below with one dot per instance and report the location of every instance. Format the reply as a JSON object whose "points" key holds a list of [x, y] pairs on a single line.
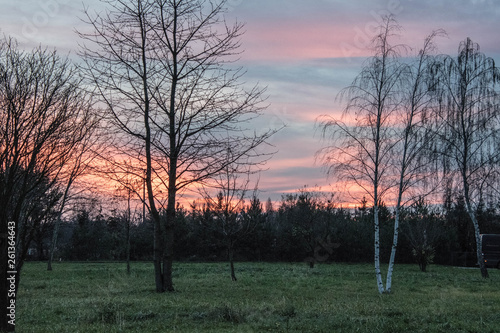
{"points": [[303, 51]]}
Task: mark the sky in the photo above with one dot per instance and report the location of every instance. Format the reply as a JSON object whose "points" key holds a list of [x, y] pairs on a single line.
{"points": [[304, 52]]}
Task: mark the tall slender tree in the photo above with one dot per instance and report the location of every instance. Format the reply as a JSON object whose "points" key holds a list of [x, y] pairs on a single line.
{"points": [[361, 154], [470, 111], [228, 207], [416, 136]]}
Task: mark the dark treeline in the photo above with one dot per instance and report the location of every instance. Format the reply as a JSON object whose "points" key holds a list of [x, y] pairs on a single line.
{"points": [[305, 226]]}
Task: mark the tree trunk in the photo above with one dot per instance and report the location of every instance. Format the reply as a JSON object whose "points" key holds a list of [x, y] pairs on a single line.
{"points": [[376, 222], [169, 227], [55, 233], [378, 273], [157, 257], [172, 159], [157, 251], [475, 223], [477, 233], [158, 243], [392, 260], [127, 236], [168, 257], [230, 251], [53, 243], [39, 245]]}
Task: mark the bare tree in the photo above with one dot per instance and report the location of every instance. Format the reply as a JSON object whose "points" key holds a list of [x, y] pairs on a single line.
{"points": [[470, 112], [416, 137], [228, 206], [129, 187], [387, 152], [361, 154], [164, 71], [83, 154], [44, 115]]}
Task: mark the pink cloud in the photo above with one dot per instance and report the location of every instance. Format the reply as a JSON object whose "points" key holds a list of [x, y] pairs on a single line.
{"points": [[291, 39]]}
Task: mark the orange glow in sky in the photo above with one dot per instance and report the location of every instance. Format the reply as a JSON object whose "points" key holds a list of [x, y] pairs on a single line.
{"points": [[304, 52]]}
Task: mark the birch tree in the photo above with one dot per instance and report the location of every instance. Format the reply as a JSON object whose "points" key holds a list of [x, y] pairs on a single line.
{"points": [[416, 137], [164, 69], [361, 154], [469, 100]]}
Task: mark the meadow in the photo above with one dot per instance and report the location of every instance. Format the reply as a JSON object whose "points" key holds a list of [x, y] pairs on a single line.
{"points": [[268, 297]]}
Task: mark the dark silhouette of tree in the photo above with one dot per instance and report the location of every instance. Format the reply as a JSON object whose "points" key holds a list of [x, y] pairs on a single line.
{"points": [[228, 205], [257, 243], [423, 230], [44, 117], [469, 110], [161, 69]]}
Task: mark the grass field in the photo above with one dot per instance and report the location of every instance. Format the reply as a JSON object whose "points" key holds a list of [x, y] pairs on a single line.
{"points": [[100, 297]]}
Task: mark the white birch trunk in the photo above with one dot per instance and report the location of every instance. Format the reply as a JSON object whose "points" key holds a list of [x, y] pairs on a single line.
{"points": [[388, 283], [378, 273], [477, 232], [392, 259]]}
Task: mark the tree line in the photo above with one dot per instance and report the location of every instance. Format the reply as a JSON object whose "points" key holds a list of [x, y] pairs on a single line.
{"points": [[306, 226]]}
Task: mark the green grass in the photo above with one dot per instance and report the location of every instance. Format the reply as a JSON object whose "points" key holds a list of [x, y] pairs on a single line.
{"points": [[100, 297]]}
